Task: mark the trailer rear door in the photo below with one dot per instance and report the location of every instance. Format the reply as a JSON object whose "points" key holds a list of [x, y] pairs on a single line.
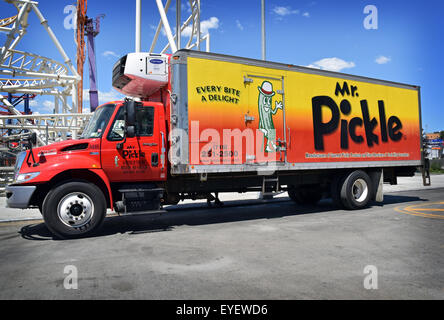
{"points": [[265, 114]]}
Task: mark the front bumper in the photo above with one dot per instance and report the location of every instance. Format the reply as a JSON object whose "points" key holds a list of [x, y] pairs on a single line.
{"points": [[19, 196]]}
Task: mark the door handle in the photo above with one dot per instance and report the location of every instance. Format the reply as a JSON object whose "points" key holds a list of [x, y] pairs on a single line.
{"points": [[248, 118], [150, 144], [247, 80], [154, 159], [162, 150]]}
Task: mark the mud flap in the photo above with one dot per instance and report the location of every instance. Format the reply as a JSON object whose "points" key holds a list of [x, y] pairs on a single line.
{"points": [[425, 170], [377, 178]]}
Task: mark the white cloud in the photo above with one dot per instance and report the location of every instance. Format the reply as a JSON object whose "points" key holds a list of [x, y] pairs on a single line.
{"points": [[284, 11], [382, 60], [42, 108], [110, 96], [306, 14], [332, 64], [239, 25], [110, 54], [104, 97], [33, 103], [48, 104], [212, 23], [313, 66], [205, 26], [85, 95]]}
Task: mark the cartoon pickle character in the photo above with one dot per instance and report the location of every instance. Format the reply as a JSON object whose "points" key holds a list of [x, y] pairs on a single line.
{"points": [[266, 113]]}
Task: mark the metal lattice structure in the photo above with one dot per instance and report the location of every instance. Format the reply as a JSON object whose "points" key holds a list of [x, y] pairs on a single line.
{"points": [[92, 29], [193, 22], [29, 73], [53, 124]]}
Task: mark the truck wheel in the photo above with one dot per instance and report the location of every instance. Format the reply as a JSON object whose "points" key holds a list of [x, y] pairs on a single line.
{"points": [[74, 209], [355, 191], [305, 195]]}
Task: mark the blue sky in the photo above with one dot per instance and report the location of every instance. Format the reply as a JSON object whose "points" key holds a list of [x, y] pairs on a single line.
{"points": [[406, 47]]}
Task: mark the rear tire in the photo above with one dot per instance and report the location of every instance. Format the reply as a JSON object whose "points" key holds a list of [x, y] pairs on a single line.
{"points": [[356, 190], [306, 195], [74, 209]]}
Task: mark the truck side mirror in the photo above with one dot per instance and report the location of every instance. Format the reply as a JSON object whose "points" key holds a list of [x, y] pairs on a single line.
{"points": [[130, 113], [33, 138], [130, 131]]}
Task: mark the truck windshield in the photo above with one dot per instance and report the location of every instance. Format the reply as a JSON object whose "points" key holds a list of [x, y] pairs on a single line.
{"points": [[97, 124]]}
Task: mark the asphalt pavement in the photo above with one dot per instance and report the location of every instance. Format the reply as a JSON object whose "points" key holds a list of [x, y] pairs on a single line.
{"points": [[404, 184], [248, 249]]}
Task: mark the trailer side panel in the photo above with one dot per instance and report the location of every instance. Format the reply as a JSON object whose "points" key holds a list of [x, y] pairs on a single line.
{"points": [[243, 115]]}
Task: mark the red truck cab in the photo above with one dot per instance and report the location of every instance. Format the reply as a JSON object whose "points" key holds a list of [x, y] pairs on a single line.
{"points": [[73, 182]]}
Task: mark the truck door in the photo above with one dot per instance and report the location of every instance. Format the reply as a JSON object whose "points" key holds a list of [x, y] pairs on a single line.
{"points": [[265, 114], [141, 158]]}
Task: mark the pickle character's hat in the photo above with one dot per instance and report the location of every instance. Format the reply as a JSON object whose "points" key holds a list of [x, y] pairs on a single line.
{"points": [[267, 89]]}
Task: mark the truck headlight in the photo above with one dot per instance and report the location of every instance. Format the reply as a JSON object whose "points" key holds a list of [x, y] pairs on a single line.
{"points": [[19, 162], [25, 177]]}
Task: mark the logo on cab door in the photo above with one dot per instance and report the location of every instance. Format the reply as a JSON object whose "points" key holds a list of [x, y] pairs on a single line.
{"points": [[132, 154]]}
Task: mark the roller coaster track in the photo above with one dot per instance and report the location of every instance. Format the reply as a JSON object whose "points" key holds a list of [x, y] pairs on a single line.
{"points": [[53, 123], [5, 22], [8, 21], [18, 63], [29, 73], [48, 127], [28, 62], [13, 85]]}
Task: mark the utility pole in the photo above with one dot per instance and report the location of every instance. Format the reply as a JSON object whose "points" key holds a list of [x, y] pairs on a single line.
{"points": [[263, 30], [138, 24], [178, 24]]}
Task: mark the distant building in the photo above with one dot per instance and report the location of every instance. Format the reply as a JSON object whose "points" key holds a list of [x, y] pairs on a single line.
{"points": [[432, 136], [434, 145]]}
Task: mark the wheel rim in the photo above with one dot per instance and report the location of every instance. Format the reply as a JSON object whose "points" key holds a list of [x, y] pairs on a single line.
{"points": [[360, 190], [75, 209]]}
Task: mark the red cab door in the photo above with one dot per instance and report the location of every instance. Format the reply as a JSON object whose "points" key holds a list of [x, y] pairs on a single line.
{"points": [[141, 158]]}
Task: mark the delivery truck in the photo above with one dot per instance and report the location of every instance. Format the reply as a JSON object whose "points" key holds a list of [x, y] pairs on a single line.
{"points": [[199, 124]]}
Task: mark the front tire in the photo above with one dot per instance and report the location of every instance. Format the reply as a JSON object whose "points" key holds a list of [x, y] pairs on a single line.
{"points": [[74, 209]]}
